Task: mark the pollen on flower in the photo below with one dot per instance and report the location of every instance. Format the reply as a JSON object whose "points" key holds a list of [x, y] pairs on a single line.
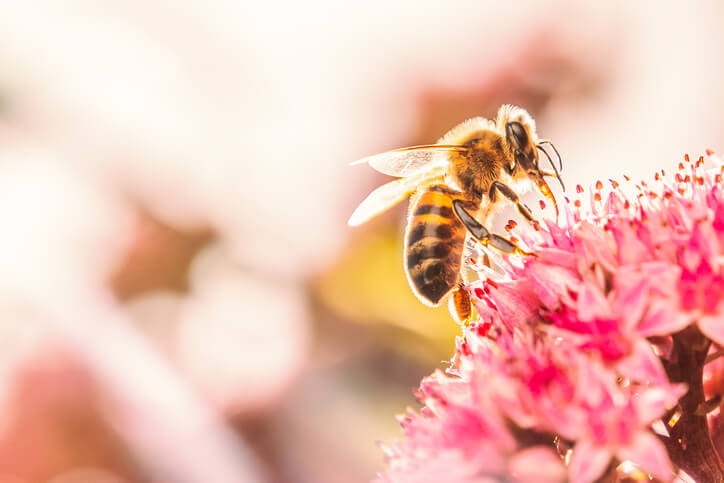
{"points": [[574, 353]]}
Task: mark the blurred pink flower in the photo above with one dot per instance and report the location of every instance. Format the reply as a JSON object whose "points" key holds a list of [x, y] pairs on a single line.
{"points": [[579, 350]]}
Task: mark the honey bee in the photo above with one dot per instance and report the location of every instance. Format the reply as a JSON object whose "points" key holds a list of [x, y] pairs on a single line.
{"points": [[455, 186]]}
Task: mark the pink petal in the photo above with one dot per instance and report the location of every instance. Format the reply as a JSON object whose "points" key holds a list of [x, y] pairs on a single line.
{"points": [[642, 365], [551, 283], [537, 463], [614, 203], [650, 454], [663, 317], [652, 403], [704, 240], [588, 462], [569, 424], [631, 250], [663, 276], [635, 286], [592, 390], [516, 302], [631, 298], [713, 327], [592, 304], [556, 256], [560, 235], [690, 260], [595, 246]]}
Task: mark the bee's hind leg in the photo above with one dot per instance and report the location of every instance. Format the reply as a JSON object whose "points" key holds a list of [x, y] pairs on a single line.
{"points": [[482, 234]]}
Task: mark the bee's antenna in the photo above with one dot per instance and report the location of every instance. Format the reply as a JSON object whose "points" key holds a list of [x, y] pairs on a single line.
{"points": [[545, 141], [558, 175]]}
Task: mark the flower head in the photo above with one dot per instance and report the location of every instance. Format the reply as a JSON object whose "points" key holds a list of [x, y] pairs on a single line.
{"points": [[573, 355]]}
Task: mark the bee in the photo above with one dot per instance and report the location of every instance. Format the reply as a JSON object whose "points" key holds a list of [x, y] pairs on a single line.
{"points": [[455, 186]]}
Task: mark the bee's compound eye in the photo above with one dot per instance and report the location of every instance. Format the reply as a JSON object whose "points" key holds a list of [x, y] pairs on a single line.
{"points": [[516, 134]]}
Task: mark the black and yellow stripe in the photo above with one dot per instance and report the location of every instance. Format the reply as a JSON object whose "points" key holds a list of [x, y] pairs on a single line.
{"points": [[434, 244]]}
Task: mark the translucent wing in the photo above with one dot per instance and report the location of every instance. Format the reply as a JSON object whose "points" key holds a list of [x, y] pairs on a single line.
{"points": [[412, 160], [388, 195]]}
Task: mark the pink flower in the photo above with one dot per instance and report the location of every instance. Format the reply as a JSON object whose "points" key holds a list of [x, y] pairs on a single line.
{"points": [[460, 435], [578, 351], [617, 425]]}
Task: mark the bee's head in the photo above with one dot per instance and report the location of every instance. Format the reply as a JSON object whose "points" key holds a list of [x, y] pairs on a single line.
{"points": [[524, 148], [520, 139], [524, 155]]}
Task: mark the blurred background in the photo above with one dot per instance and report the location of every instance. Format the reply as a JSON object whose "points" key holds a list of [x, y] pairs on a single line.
{"points": [[180, 297]]}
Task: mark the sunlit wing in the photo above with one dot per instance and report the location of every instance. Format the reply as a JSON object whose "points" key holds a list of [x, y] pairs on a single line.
{"points": [[388, 195], [413, 160]]}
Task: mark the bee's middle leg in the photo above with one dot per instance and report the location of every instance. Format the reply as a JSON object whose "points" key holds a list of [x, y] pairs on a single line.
{"points": [[482, 233]]}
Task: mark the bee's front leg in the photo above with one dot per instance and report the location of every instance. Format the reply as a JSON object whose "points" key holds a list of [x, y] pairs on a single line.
{"points": [[482, 234], [507, 191]]}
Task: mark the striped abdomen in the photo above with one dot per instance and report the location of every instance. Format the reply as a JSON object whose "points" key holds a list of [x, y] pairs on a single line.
{"points": [[434, 244]]}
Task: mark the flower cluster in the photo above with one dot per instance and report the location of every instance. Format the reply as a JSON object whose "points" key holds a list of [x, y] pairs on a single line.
{"points": [[578, 351]]}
